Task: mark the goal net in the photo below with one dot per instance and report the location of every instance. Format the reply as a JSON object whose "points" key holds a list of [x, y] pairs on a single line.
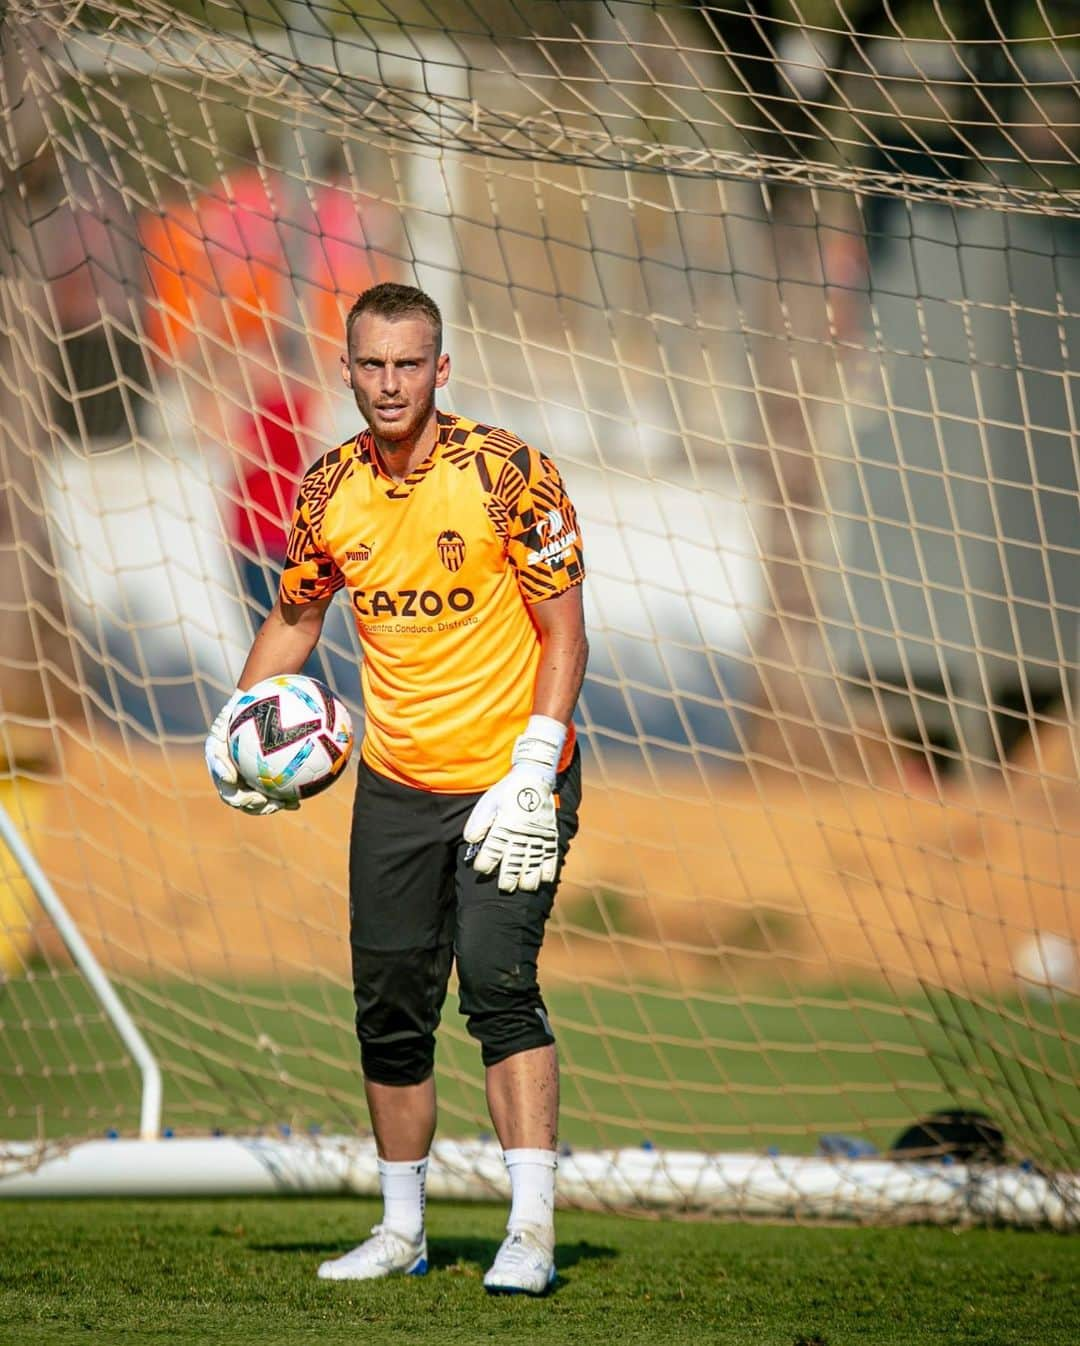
{"points": [[792, 294]]}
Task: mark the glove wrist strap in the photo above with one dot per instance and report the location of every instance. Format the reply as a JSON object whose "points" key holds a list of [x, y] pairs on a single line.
{"points": [[541, 743], [220, 727]]}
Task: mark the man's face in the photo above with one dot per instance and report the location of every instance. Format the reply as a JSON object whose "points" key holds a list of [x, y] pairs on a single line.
{"points": [[393, 371]]}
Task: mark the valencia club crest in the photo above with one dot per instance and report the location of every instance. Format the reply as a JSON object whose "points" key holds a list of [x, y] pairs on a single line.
{"points": [[451, 549]]}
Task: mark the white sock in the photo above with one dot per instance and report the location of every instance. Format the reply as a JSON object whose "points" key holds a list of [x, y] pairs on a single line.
{"points": [[402, 1182], [532, 1189]]}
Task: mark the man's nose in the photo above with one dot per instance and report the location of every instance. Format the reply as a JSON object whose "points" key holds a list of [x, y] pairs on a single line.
{"points": [[389, 380]]}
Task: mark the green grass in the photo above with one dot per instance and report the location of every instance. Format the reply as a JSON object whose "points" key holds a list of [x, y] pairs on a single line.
{"points": [[244, 1272], [687, 1069], [683, 1069]]}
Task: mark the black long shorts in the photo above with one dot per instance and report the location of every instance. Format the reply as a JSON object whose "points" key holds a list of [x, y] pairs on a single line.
{"points": [[416, 908]]}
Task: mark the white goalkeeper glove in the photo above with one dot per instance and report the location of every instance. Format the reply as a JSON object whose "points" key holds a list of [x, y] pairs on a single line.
{"points": [[515, 820], [234, 792]]}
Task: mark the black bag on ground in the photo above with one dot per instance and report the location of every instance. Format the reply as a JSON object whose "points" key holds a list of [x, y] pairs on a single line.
{"points": [[968, 1137]]}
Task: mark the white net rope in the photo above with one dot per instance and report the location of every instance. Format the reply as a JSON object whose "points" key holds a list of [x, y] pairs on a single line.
{"points": [[792, 296], [976, 106]]}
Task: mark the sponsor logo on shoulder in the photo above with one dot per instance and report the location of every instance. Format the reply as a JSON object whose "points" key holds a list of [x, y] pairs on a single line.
{"points": [[451, 547], [361, 552], [552, 526]]}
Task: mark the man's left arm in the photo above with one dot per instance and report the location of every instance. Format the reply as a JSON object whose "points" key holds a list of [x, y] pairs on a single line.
{"points": [[564, 651], [514, 826]]}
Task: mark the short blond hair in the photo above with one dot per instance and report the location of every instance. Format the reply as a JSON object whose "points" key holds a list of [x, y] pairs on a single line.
{"points": [[390, 300]]}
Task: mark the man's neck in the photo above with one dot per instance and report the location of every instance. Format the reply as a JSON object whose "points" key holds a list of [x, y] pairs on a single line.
{"points": [[400, 457]]}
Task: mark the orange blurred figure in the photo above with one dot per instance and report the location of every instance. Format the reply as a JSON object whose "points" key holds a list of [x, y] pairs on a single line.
{"points": [[247, 289]]}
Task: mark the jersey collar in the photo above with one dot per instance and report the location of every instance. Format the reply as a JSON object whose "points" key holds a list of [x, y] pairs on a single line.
{"points": [[401, 490]]}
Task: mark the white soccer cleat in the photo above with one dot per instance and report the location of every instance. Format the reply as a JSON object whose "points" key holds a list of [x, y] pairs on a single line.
{"points": [[386, 1253], [524, 1265]]}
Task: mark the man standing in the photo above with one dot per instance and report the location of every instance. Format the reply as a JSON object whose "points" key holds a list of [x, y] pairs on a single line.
{"points": [[461, 558]]}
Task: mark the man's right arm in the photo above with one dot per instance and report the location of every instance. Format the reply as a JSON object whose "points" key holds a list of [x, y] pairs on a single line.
{"points": [[286, 638], [284, 641], [282, 645]]}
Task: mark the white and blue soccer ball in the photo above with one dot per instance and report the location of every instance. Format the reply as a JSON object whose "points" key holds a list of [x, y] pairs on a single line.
{"points": [[290, 737]]}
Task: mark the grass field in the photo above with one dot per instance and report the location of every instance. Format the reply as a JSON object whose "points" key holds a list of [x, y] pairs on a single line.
{"points": [[676, 1069], [243, 1272]]}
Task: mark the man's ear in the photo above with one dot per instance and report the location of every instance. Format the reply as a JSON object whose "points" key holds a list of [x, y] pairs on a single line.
{"points": [[346, 371], [442, 370]]}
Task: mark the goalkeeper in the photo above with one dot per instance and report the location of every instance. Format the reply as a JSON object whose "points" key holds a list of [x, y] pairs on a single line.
{"points": [[459, 554]]}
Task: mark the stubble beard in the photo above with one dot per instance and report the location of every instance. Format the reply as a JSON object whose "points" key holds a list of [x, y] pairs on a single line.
{"points": [[397, 432]]}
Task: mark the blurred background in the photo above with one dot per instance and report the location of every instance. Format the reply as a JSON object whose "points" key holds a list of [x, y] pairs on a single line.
{"points": [[792, 296]]}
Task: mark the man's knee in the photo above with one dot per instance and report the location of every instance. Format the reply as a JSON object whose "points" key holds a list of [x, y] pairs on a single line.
{"points": [[503, 1006], [398, 1062], [398, 999], [504, 1033]]}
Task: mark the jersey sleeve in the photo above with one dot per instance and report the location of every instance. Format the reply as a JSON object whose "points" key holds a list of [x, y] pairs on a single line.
{"points": [[543, 540], [309, 572]]}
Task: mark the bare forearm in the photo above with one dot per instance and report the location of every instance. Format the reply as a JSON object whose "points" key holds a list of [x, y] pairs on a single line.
{"points": [[282, 644], [560, 675]]}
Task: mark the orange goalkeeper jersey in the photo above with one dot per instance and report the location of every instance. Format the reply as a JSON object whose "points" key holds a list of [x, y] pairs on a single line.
{"points": [[440, 571]]}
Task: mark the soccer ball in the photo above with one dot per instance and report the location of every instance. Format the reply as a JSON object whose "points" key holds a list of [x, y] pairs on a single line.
{"points": [[290, 737]]}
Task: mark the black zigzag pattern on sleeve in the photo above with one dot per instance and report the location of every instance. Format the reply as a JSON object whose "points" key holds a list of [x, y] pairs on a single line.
{"points": [[307, 573], [563, 570]]}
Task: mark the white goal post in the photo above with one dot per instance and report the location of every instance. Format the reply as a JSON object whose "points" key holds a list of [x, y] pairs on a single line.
{"points": [[792, 294]]}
